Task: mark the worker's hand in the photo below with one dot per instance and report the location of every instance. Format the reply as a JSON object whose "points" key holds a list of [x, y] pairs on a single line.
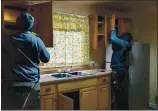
{"points": [[113, 29], [113, 33]]}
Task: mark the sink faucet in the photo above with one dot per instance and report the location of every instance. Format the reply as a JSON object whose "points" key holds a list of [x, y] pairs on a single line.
{"points": [[68, 69]]}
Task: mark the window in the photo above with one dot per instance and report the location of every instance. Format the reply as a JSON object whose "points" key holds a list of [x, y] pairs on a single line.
{"points": [[71, 40]]}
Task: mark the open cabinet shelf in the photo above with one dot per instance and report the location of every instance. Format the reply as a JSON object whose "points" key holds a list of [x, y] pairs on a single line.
{"points": [[98, 30], [101, 18], [100, 23]]}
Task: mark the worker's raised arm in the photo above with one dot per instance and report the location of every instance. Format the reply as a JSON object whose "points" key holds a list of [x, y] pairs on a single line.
{"points": [[43, 54], [116, 40]]}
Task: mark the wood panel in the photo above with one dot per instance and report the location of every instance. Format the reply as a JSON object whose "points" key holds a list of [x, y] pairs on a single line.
{"points": [[106, 30], [48, 102], [76, 84], [89, 98], [103, 80], [113, 18], [48, 89], [43, 22], [93, 22], [124, 25], [65, 103], [104, 97]]}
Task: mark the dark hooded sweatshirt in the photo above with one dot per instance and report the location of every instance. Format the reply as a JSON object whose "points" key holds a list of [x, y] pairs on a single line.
{"points": [[120, 52], [26, 51], [34, 50]]}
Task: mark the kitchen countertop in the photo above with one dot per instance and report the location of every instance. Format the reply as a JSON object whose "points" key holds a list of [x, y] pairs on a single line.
{"points": [[48, 79]]}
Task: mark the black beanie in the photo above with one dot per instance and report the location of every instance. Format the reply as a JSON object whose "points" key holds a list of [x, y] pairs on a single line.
{"points": [[127, 36], [25, 21]]}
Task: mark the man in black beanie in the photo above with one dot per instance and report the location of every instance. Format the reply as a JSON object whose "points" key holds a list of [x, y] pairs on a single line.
{"points": [[119, 65], [25, 51]]}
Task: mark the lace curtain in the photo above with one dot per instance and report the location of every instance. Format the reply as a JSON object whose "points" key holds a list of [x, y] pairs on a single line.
{"points": [[70, 40]]}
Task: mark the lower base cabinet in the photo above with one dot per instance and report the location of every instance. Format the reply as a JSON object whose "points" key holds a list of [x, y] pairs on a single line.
{"points": [[104, 97], [65, 103], [94, 97], [89, 98], [48, 102]]}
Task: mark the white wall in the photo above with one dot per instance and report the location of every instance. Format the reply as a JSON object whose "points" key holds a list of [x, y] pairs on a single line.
{"points": [[145, 30]]}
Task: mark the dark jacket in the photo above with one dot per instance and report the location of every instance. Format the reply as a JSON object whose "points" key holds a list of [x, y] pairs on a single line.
{"points": [[120, 49], [31, 50]]}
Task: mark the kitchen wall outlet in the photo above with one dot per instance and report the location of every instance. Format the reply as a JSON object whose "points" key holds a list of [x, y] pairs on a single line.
{"points": [[91, 63]]}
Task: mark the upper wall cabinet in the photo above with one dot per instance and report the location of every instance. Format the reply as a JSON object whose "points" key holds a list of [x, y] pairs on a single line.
{"points": [[124, 25], [98, 30], [43, 21], [42, 13]]}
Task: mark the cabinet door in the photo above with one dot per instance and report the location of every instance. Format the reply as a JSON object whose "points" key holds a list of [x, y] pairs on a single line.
{"points": [[89, 98], [93, 22], [106, 30], [104, 97], [113, 18], [48, 102], [111, 23], [65, 103], [43, 22], [124, 26]]}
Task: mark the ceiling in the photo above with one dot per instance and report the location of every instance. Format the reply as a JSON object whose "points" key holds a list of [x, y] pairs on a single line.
{"points": [[92, 2], [117, 5]]}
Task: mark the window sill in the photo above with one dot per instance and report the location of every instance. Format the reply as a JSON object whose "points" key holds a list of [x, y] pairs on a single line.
{"points": [[51, 69]]}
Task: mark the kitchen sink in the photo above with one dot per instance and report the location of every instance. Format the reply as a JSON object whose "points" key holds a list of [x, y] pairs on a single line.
{"points": [[78, 73], [61, 75]]}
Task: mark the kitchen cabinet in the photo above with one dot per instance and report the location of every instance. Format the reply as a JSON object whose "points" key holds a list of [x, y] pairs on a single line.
{"points": [[124, 25], [89, 93], [48, 102], [42, 13], [89, 98], [43, 25], [104, 97], [98, 30], [65, 103], [48, 97]]}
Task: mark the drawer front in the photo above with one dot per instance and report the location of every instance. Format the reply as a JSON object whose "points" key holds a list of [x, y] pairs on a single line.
{"points": [[76, 84], [103, 80], [48, 89]]}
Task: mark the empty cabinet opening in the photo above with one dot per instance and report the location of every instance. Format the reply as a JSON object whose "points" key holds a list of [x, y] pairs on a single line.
{"points": [[101, 19], [75, 97]]}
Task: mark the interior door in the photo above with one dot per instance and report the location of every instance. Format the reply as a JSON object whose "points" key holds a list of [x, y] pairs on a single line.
{"points": [[89, 98], [43, 26]]}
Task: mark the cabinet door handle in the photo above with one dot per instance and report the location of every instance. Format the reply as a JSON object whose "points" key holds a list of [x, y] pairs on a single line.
{"points": [[104, 80], [47, 89]]}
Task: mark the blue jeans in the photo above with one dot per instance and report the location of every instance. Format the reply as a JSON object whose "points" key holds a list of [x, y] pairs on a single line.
{"points": [[21, 97]]}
